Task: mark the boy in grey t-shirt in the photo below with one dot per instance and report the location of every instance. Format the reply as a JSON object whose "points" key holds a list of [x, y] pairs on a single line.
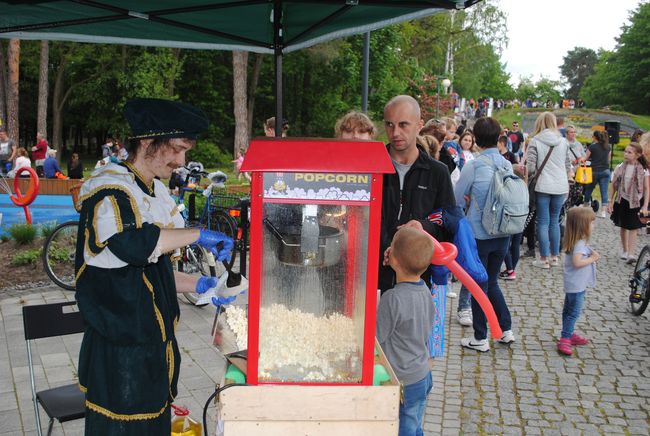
{"points": [[404, 318]]}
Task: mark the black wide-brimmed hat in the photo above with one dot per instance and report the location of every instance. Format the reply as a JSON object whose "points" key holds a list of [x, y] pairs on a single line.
{"points": [[157, 118]]}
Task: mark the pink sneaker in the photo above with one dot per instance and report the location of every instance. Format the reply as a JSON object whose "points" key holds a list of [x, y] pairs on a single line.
{"points": [[578, 340], [564, 346]]}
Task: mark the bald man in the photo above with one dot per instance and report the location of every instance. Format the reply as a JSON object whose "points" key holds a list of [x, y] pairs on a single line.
{"points": [[419, 186]]}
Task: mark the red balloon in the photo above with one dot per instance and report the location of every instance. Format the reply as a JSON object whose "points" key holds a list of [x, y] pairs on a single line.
{"points": [[32, 191], [445, 253]]}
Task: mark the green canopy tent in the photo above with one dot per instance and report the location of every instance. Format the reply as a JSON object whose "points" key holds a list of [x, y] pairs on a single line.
{"points": [[263, 26]]}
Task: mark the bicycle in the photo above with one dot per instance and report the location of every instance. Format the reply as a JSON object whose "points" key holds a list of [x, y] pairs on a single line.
{"points": [[219, 213], [640, 283], [58, 254]]}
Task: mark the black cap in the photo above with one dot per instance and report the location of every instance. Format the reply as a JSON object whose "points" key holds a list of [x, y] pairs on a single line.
{"points": [[157, 118]]}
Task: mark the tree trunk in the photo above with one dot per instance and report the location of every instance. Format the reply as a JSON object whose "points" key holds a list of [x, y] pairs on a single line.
{"points": [[252, 89], [57, 103], [41, 124], [3, 87], [12, 92], [171, 85], [239, 73]]}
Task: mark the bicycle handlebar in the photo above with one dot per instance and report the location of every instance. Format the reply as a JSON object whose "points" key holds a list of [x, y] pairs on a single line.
{"points": [[195, 172]]}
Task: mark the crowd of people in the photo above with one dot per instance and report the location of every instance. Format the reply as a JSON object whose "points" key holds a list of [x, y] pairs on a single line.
{"points": [[441, 185], [548, 157], [44, 158]]}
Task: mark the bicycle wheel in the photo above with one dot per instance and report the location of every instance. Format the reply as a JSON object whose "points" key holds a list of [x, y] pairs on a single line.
{"points": [[224, 223], [194, 261], [639, 293], [59, 255]]}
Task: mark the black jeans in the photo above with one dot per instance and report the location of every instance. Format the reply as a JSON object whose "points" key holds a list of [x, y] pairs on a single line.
{"points": [[491, 252]]}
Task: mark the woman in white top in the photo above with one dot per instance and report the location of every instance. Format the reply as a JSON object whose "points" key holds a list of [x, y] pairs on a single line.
{"points": [[21, 161], [552, 185], [468, 145]]}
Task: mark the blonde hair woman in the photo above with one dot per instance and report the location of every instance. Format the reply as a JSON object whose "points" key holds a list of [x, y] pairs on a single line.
{"points": [[355, 125], [551, 187], [645, 144]]}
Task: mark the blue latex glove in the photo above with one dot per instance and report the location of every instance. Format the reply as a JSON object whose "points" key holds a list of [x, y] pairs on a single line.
{"points": [[220, 301], [210, 239], [204, 283]]}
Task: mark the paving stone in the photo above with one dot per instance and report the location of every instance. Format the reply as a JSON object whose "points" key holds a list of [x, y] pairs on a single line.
{"points": [[523, 389]]}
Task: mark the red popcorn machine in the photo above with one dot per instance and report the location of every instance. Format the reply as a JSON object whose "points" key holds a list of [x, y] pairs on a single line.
{"points": [[315, 218], [309, 327]]}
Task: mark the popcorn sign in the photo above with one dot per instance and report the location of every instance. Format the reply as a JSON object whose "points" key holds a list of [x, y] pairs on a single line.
{"points": [[317, 186]]}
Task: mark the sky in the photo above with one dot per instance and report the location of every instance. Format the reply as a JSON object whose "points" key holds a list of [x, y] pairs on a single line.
{"points": [[541, 32]]}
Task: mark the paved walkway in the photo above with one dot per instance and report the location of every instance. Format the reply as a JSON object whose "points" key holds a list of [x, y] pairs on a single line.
{"points": [[526, 388]]}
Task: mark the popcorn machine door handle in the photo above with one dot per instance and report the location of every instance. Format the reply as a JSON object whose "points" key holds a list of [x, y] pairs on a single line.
{"points": [[273, 230]]}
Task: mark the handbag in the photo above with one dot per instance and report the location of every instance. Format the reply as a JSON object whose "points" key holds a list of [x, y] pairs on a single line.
{"points": [[532, 182], [583, 174]]}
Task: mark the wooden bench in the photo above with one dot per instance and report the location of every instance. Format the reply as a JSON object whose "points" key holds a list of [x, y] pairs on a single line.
{"points": [[48, 186]]}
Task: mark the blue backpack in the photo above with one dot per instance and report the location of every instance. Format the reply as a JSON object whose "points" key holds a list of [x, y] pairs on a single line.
{"points": [[506, 204]]}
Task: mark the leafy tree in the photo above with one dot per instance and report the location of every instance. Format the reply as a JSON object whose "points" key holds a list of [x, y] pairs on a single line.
{"points": [[633, 56], [577, 66], [621, 77], [547, 89], [525, 89], [603, 87]]}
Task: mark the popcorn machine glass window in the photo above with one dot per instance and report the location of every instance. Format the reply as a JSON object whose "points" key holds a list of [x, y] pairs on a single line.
{"points": [[313, 277]]}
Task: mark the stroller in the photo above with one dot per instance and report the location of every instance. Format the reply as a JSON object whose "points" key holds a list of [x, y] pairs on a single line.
{"points": [[576, 197]]}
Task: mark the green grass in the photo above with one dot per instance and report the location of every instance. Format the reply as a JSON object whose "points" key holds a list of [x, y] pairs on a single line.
{"points": [[643, 121], [506, 116]]}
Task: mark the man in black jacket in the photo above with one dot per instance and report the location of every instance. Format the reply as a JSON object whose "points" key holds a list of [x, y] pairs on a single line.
{"points": [[420, 186]]}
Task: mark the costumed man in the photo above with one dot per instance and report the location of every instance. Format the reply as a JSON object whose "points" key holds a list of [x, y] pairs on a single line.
{"points": [[129, 228], [420, 185]]}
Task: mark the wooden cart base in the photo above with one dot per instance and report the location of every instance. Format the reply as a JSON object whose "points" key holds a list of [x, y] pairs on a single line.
{"points": [[288, 410], [310, 410]]}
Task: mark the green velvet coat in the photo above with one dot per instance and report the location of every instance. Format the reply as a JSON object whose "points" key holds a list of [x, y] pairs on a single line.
{"points": [[129, 360]]}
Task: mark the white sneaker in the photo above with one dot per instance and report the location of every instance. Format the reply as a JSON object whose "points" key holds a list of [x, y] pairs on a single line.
{"points": [[465, 317], [538, 263], [603, 214], [622, 255], [507, 338], [474, 344]]}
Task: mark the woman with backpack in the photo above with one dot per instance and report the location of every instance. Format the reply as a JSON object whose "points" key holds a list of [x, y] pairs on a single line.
{"points": [[549, 164], [471, 193]]}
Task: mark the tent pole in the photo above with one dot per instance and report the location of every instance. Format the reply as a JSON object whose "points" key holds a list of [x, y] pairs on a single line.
{"points": [[277, 30], [364, 72], [278, 93]]}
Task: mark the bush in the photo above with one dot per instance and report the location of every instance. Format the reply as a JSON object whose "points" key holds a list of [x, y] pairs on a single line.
{"points": [[210, 155], [47, 229], [23, 233], [27, 257], [58, 254], [4, 237]]}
